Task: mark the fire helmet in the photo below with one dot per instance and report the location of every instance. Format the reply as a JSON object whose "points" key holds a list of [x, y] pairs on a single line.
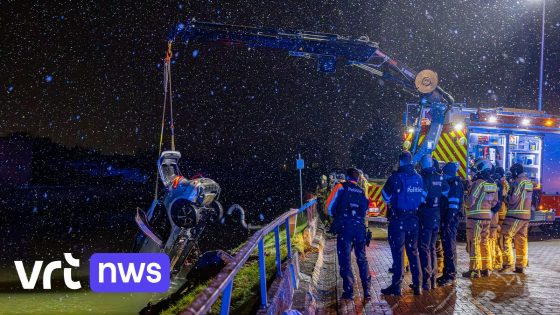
{"points": [[482, 165], [516, 169]]}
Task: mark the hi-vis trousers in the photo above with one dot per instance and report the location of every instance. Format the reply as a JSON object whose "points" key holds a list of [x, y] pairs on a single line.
{"points": [[493, 241], [515, 231], [477, 244], [498, 253]]}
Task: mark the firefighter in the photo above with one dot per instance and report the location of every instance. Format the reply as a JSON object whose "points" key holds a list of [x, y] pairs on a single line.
{"points": [[348, 204], [429, 217], [494, 223], [499, 175], [482, 196], [451, 206], [516, 223], [403, 192]]}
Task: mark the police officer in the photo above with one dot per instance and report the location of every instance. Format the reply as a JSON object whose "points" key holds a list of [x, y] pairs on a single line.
{"points": [[429, 216], [403, 192], [451, 206], [482, 196], [348, 204], [516, 223]]}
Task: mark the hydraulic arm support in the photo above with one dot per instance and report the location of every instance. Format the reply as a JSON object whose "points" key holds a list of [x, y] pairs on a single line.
{"points": [[328, 50]]}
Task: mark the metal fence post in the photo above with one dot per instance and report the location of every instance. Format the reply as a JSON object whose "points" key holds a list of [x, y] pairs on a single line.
{"points": [[288, 241], [278, 257], [226, 298], [262, 273]]}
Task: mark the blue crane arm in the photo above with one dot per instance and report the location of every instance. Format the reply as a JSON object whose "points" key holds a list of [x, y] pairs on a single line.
{"points": [[328, 50]]}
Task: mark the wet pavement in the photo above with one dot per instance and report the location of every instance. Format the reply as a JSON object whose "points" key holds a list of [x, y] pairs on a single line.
{"points": [[535, 292]]}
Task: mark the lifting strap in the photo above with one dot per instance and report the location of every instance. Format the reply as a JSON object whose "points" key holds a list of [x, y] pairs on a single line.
{"points": [[167, 94]]}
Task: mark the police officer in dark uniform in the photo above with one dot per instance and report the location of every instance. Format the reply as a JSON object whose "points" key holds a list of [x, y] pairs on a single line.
{"points": [[429, 216], [348, 204], [403, 192], [450, 213]]}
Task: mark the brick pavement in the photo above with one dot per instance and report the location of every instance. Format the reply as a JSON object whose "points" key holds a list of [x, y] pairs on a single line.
{"points": [[536, 292]]}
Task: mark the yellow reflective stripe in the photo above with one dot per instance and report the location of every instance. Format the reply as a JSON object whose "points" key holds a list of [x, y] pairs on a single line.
{"points": [[477, 190], [478, 211], [493, 187], [520, 211], [480, 200]]}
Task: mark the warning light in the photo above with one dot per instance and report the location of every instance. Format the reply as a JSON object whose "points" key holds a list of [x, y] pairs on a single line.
{"points": [[492, 119], [525, 122], [549, 123], [459, 126], [411, 130]]}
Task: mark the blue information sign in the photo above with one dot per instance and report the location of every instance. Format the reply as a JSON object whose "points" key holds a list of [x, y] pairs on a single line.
{"points": [[300, 164]]}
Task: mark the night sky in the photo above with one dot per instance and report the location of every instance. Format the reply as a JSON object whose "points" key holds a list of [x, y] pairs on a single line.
{"points": [[89, 73]]}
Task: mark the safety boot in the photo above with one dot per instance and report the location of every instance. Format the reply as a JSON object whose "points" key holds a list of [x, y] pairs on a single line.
{"points": [[443, 281], [486, 273], [519, 270], [471, 274], [416, 290], [391, 290], [506, 268]]}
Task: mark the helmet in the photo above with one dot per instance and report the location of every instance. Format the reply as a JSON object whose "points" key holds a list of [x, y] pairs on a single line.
{"points": [[482, 165], [499, 172], [451, 168], [516, 169], [426, 161]]}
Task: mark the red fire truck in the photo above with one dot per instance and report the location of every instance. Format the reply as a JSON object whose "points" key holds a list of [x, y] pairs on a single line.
{"points": [[502, 135]]}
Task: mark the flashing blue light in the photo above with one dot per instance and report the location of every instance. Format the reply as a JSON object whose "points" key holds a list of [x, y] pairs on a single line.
{"points": [[180, 26], [62, 17], [195, 53], [10, 88], [423, 101], [48, 78]]}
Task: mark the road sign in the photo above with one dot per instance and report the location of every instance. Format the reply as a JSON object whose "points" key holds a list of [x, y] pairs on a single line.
{"points": [[300, 164]]}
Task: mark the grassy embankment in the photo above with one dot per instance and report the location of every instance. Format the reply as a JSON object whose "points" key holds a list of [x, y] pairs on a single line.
{"points": [[246, 287]]}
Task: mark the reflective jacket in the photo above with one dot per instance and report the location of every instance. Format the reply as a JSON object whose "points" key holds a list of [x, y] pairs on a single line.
{"points": [[520, 198], [403, 190], [498, 205], [347, 201], [482, 196], [434, 188]]}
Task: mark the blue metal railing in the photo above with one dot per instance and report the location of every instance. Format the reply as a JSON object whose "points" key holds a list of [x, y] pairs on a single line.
{"points": [[223, 282]]}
